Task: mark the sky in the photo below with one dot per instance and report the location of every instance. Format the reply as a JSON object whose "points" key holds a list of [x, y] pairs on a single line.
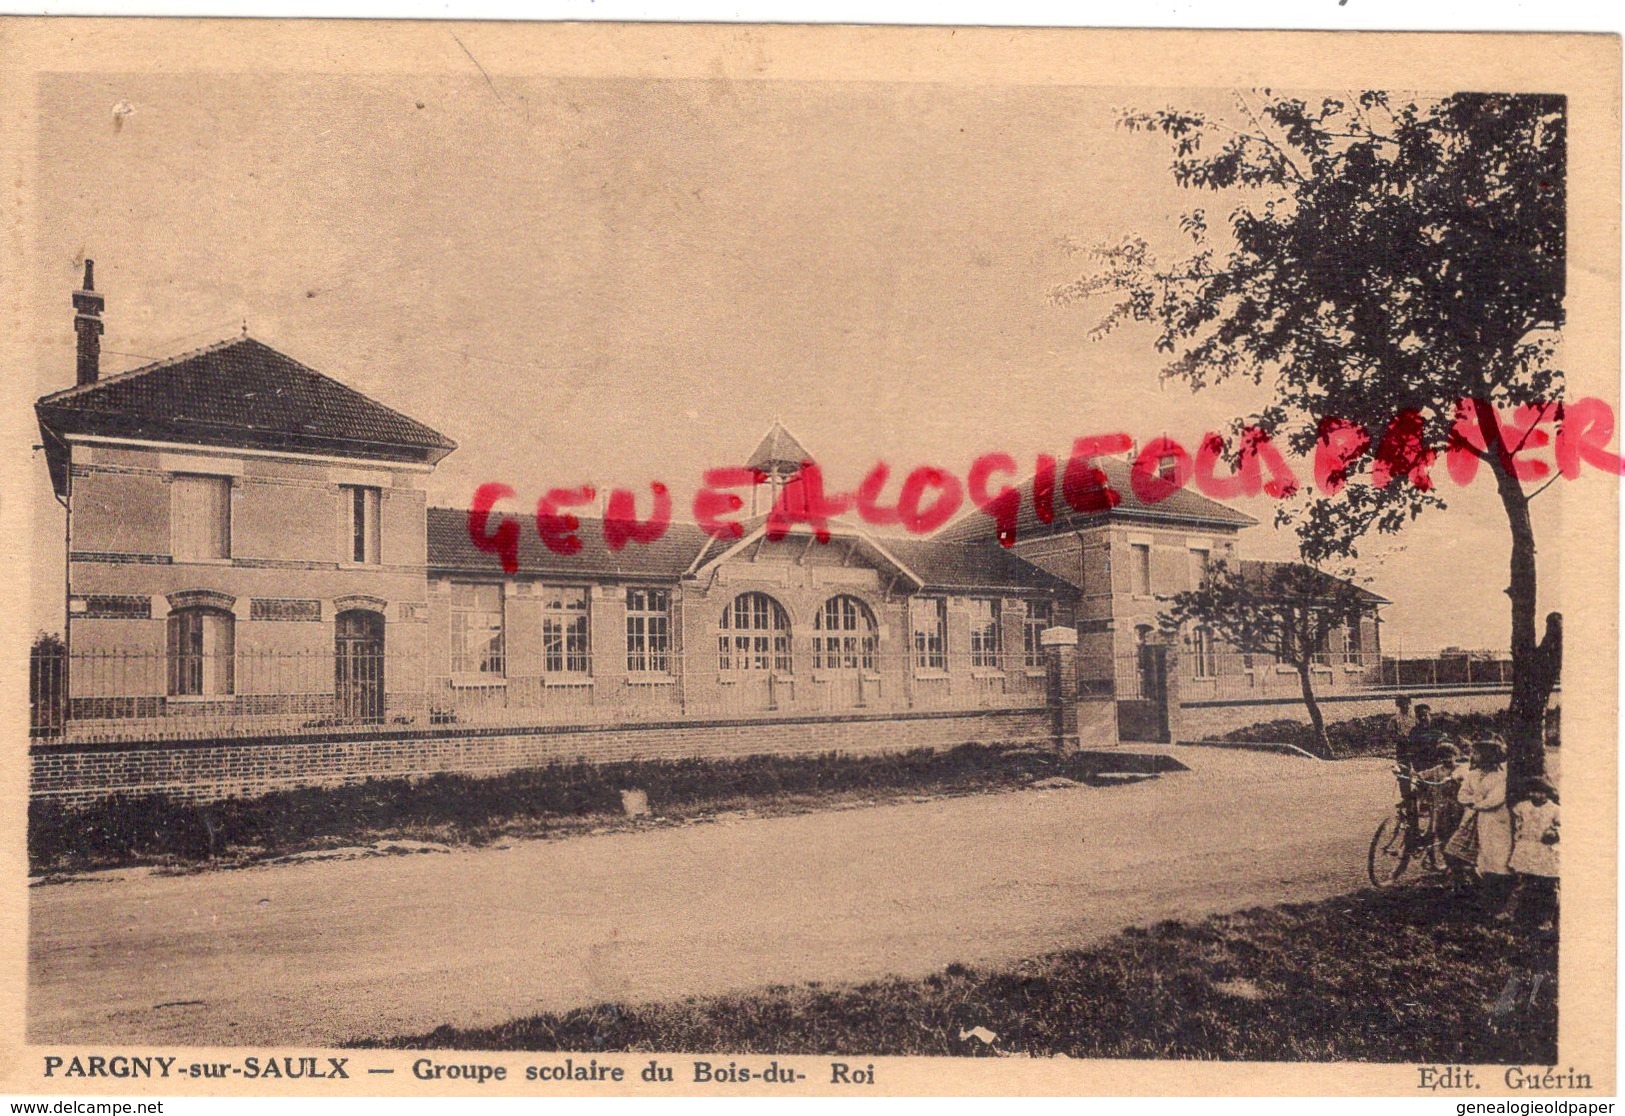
{"points": [[614, 281]]}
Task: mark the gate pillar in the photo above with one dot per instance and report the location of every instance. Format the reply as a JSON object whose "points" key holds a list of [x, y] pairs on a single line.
{"points": [[1061, 667]]}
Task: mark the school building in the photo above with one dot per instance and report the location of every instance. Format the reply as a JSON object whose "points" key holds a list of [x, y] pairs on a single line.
{"points": [[259, 592]]}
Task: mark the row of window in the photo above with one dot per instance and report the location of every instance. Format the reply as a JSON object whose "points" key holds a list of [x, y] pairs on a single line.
{"points": [[201, 516], [200, 520], [753, 633], [202, 658]]}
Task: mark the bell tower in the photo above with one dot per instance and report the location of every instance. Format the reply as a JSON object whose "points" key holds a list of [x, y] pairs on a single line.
{"points": [[780, 456]]}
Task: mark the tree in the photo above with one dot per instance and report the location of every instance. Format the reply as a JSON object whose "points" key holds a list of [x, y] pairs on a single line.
{"points": [[1284, 609], [1383, 262]]}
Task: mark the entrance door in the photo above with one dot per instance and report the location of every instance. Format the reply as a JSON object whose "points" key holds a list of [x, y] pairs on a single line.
{"points": [[358, 656], [845, 640], [753, 650]]}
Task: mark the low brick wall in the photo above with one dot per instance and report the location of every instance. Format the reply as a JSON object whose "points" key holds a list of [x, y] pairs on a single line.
{"points": [[1200, 719], [206, 770]]}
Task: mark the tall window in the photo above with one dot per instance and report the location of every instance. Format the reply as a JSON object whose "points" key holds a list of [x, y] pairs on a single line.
{"points": [[200, 652], [361, 522], [1354, 640], [753, 635], [1040, 615], [985, 641], [476, 630], [930, 636], [1201, 560], [648, 630], [1139, 555], [200, 517], [844, 635], [566, 645], [1207, 657]]}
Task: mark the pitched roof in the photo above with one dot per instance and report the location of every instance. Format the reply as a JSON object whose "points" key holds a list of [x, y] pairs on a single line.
{"points": [[778, 447], [942, 566], [240, 393], [665, 559], [973, 565], [1262, 571], [1183, 507]]}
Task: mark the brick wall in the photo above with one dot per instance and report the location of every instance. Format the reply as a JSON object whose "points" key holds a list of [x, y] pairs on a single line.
{"points": [[208, 770]]}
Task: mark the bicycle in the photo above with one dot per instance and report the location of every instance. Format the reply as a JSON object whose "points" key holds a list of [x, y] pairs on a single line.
{"points": [[1407, 831]]}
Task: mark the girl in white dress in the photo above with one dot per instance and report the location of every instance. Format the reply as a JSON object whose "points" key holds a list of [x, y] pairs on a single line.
{"points": [[1484, 792]]}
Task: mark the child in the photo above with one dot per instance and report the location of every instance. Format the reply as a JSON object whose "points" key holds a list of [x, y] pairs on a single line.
{"points": [[1484, 792], [1534, 852], [1461, 851]]}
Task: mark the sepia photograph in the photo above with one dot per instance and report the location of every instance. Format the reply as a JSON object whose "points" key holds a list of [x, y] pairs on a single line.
{"points": [[553, 558]]}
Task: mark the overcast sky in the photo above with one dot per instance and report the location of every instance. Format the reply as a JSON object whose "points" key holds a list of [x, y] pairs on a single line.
{"points": [[614, 281]]}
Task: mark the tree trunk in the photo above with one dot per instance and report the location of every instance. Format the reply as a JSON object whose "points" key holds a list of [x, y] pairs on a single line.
{"points": [[1533, 664], [1322, 742]]}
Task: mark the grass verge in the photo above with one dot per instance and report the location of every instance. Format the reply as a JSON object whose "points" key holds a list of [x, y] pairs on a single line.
{"points": [[1412, 975], [556, 800]]}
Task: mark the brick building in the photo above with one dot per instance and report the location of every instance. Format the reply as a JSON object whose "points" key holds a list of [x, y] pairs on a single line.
{"points": [[251, 552]]}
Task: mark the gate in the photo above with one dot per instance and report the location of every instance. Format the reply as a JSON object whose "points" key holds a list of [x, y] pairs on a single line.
{"points": [[1142, 695]]}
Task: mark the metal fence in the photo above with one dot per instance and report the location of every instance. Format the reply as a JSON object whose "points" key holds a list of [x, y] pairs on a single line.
{"points": [[120, 695], [1446, 670], [1230, 674]]}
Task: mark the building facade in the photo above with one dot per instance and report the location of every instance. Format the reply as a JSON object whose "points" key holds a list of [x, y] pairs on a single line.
{"points": [[251, 552]]}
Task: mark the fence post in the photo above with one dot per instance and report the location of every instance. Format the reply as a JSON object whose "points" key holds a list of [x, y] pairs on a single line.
{"points": [[1061, 666]]}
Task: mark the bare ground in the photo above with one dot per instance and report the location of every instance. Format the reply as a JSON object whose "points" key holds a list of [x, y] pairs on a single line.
{"points": [[324, 953]]}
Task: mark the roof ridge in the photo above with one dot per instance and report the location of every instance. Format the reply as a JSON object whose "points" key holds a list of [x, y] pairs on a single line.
{"points": [[84, 389]]}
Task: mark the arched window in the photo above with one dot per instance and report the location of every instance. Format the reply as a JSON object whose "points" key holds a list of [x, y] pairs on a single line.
{"points": [[1207, 656], [845, 635], [201, 652], [753, 635]]}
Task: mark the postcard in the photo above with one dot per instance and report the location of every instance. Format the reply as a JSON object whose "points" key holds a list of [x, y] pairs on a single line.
{"points": [[629, 559]]}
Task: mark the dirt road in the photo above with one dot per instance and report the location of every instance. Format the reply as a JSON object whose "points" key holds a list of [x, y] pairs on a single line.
{"points": [[321, 953]]}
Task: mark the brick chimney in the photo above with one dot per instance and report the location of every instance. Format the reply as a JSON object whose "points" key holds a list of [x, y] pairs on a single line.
{"points": [[87, 323]]}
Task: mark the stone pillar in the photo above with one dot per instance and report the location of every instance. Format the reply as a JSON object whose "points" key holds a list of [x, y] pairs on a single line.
{"points": [[1172, 688], [1061, 662]]}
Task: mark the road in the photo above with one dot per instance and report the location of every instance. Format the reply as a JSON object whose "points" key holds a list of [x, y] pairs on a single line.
{"points": [[325, 952]]}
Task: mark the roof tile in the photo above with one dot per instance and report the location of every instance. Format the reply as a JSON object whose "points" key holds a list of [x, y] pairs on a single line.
{"points": [[1183, 507], [241, 393], [942, 566]]}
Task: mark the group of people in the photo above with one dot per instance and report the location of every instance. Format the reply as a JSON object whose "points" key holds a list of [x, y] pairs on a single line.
{"points": [[1508, 842]]}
